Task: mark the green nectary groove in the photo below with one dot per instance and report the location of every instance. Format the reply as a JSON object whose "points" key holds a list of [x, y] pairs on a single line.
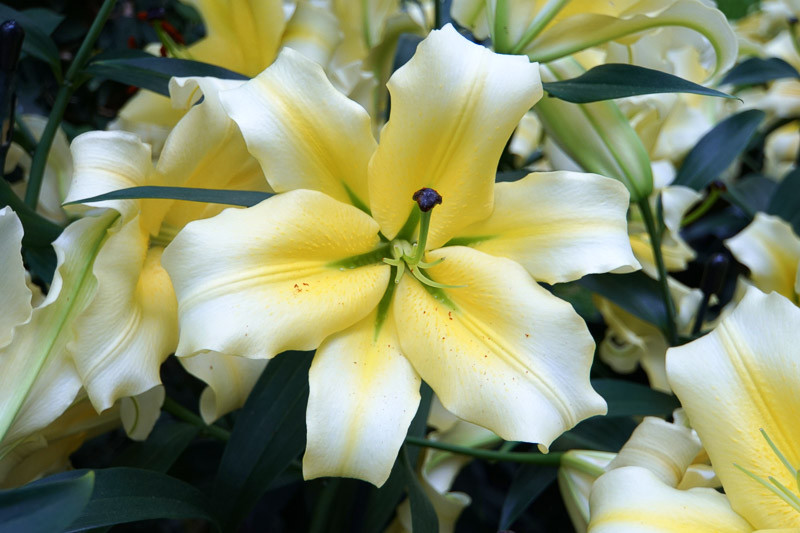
{"points": [[469, 240], [383, 307], [369, 258], [355, 200], [440, 295]]}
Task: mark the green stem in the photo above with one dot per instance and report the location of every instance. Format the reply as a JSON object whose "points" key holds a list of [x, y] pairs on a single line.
{"points": [[62, 99], [437, 14], [422, 240], [655, 243], [182, 413], [701, 209], [542, 19], [550, 459]]}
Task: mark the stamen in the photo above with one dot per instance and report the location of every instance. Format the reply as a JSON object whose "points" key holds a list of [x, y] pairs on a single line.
{"points": [[429, 282], [772, 483], [777, 452]]}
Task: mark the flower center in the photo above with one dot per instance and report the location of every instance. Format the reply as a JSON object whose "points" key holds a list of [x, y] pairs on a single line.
{"points": [[409, 256]]}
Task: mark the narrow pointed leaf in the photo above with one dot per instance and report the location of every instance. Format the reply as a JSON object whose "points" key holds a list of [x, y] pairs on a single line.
{"points": [[528, 484], [626, 398], [123, 495], [423, 515], [268, 435], [756, 70], [636, 293], [785, 201], [620, 80], [189, 194], [153, 73], [47, 505], [161, 449], [718, 149]]}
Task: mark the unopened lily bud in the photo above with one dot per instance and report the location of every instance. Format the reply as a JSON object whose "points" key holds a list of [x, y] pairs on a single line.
{"points": [[578, 471], [596, 136], [11, 37]]}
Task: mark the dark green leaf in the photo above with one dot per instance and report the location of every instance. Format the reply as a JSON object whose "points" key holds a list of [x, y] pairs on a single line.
{"points": [[603, 433], [735, 9], [39, 231], [268, 435], [47, 505], [123, 495], [529, 482], [37, 41], [626, 398], [153, 73], [754, 191], [636, 293], [382, 502], [162, 448], [620, 80], [511, 175], [785, 201], [718, 149], [189, 194], [46, 19], [756, 70], [423, 515]]}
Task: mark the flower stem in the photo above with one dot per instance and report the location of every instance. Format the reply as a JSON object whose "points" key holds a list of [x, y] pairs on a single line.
{"points": [[550, 459], [68, 86], [182, 413], [655, 243]]}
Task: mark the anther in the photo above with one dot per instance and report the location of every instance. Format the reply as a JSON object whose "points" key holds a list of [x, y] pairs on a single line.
{"points": [[427, 199]]}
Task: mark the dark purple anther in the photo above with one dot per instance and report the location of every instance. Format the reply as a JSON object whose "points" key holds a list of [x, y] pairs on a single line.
{"points": [[427, 199]]}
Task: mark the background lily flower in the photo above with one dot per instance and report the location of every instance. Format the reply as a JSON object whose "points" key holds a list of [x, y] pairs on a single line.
{"points": [[134, 296], [305, 269]]}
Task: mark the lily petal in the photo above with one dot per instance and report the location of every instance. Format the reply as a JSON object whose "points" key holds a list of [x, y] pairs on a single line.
{"points": [[106, 161], [746, 370], [305, 133], [585, 30], [256, 282], [559, 225], [363, 395], [454, 107], [38, 381], [230, 380], [16, 295], [501, 352], [634, 500], [140, 413], [130, 327], [771, 250], [244, 35]]}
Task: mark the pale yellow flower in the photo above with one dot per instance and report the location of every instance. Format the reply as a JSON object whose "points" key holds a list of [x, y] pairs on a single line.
{"points": [[305, 269]]}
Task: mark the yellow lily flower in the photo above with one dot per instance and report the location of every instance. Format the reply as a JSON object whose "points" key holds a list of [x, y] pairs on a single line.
{"points": [[769, 247], [547, 30], [245, 36], [738, 386], [312, 267]]}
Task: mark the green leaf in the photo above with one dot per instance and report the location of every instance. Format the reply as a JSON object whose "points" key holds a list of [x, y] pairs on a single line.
{"points": [[603, 433], [636, 293], [620, 80], [162, 448], [735, 9], [626, 398], [46, 19], [37, 41], [753, 191], [39, 231], [153, 73], [189, 194], [269, 434], [785, 201], [123, 495], [47, 505], [423, 515], [756, 70], [718, 149], [528, 484]]}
